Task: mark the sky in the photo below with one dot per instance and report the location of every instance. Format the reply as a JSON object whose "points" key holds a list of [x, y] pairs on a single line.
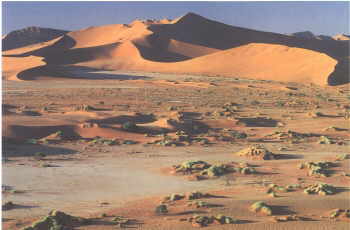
{"points": [[327, 18]]}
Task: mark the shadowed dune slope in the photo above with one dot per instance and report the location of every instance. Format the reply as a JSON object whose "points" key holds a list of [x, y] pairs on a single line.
{"points": [[193, 44], [28, 36], [195, 29]]}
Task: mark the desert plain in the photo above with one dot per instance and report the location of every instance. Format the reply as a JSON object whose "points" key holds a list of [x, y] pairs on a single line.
{"points": [[175, 124]]}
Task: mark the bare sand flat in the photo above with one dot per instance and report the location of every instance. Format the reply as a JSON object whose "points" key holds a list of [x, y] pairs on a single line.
{"points": [[92, 164]]}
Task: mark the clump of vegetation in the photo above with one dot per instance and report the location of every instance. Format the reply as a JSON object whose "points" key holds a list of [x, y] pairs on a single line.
{"points": [[104, 141], [45, 109], [320, 189], [129, 142], [192, 166], [280, 103], [182, 136], [57, 220], [217, 170], [197, 195], [54, 137], [287, 218], [46, 165], [317, 168], [341, 157], [59, 133], [247, 170], [274, 188], [129, 126], [291, 88], [339, 213], [172, 108], [255, 102], [257, 152], [173, 197], [199, 204], [238, 135], [39, 155], [228, 110], [325, 140], [8, 205], [202, 221], [168, 141], [272, 194], [347, 115], [199, 170], [84, 108], [291, 135], [180, 139], [333, 128], [261, 207], [224, 219], [161, 209], [32, 141], [120, 221], [315, 114]]}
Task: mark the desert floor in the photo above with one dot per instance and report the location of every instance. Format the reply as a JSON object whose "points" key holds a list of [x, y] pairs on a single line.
{"points": [[97, 169]]}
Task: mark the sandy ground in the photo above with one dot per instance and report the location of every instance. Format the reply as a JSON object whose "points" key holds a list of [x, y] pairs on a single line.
{"points": [[127, 174], [88, 179]]}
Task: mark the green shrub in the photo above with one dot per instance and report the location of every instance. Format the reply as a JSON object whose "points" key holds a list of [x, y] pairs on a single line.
{"points": [[39, 155], [129, 126], [261, 207], [341, 157], [320, 189], [161, 209], [32, 141]]}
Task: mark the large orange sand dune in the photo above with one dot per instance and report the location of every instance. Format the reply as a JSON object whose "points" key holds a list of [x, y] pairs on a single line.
{"points": [[190, 44]]}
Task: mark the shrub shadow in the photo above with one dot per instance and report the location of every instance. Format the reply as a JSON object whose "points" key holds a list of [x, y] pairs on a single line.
{"points": [[257, 122], [283, 156], [281, 210]]}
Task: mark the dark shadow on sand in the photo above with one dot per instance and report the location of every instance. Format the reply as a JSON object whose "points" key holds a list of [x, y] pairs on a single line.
{"points": [[20, 150], [281, 210], [74, 72], [257, 122], [138, 119]]}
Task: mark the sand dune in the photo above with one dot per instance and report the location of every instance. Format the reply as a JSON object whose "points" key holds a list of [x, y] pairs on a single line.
{"points": [[28, 36], [266, 61], [192, 44], [12, 66], [104, 35], [342, 37], [260, 61]]}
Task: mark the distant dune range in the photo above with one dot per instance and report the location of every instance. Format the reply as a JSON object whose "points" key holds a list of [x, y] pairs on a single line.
{"points": [[190, 44]]}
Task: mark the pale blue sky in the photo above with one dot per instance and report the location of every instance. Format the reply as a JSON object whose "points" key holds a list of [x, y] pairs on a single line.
{"points": [[328, 18]]}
